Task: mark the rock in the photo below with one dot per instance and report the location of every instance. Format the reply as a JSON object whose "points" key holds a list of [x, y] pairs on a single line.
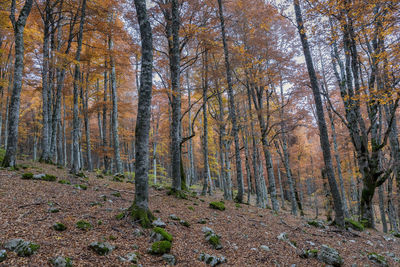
{"points": [[369, 243], [184, 223], [330, 256], [101, 248], [218, 205], [212, 260], [169, 259], [59, 226], [137, 232], [60, 261], [39, 176], [207, 230], [3, 255], [378, 259], [159, 223], [311, 243], [21, 247], [202, 221], [130, 257], [265, 248], [388, 238], [253, 249], [53, 210], [316, 223], [282, 236], [160, 247], [310, 253], [174, 217]]}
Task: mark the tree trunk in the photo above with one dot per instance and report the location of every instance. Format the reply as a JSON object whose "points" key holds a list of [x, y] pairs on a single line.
{"points": [[87, 126], [13, 112], [324, 139], [205, 127], [143, 119], [232, 109], [105, 142], [75, 121]]}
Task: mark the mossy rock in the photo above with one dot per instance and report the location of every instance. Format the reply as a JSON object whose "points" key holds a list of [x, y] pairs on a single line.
{"points": [[142, 216], [166, 236], [81, 174], [3, 255], [214, 240], [101, 248], [49, 178], [83, 225], [354, 224], [316, 224], [178, 194], [27, 176], [64, 182], [81, 186], [60, 261], [202, 221], [378, 259], [217, 205], [21, 247], [184, 223], [59, 226], [160, 247]]}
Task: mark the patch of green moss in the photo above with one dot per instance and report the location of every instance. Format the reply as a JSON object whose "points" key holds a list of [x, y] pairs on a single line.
{"points": [[354, 224], [191, 208], [177, 193], [120, 216], [59, 226], [217, 205], [49, 178], [27, 176], [142, 216], [214, 240], [167, 236], [184, 223], [112, 238], [28, 249], [81, 186], [160, 247], [116, 194], [81, 174], [237, 205], [315, 224], [64, 182], [83, 225]]}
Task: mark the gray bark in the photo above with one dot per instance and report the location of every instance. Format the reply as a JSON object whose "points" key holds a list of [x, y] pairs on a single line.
{"points": [[87, 126], [382, 208], [144, 108], [206, 183], [13, 112], [324, 139], [75, 121], [232, 109]]}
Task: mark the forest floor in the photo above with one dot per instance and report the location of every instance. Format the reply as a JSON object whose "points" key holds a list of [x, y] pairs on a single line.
{"points": [[24, 213]]}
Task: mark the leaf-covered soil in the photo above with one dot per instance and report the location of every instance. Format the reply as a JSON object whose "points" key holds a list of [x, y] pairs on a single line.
{"points": [[24, 213]]}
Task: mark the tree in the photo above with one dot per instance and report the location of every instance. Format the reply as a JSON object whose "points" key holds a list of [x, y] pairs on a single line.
{"points": [[140, 209], [324, 139], [13, 111]]}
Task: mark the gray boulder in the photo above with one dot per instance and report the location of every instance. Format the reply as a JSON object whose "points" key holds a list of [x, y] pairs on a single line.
{"points": [[39, 176], [3, 255], [159, 223], [169, 259], [378, 259], [60, 261], [21, 247], [130, 257], [101, 248], [212, 260], [329, 256]]}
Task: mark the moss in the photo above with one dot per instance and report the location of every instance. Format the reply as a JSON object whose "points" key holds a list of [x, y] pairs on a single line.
{"points": [[28, 250], [83, 225], [112, 238], [214, 241], [99, 222], [191, 208], [217, 205], [59, 226], [120, 216], [116, 194], [143, 216], [237, 205], [27, 176], [63, 182], [177, 193], [49, 178], [81, 186], [315, 224], [160, 247], [354, 224], [184, 223], [202, 221], [167, 236], [81, 174]]}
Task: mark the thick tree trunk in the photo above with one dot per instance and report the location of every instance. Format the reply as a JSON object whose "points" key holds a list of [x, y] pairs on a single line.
{"points": [[75, 121], [382, 208], [232, 108], [324, 139], [143, 119], [13, 112]]}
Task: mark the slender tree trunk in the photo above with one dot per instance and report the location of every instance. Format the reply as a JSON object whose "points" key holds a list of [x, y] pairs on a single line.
{"points": [[105, 143], [324, 139], [382, 208], [205, 127], [114, 97], [191, 173], [280, 183], [87, 126], [75, 123], [13, 112]]}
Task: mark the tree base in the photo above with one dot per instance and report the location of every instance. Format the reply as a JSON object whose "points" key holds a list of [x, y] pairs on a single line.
{"points": [[181, 194], [143, 216]]}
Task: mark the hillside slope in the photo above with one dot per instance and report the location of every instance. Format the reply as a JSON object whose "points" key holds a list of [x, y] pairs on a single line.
{"points": [[27, 212]]}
